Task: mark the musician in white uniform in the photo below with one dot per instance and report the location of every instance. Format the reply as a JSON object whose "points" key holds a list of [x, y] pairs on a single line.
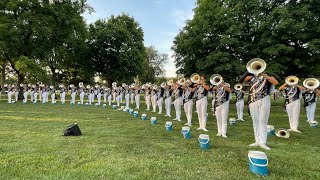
{"points": [[261, 86], [118, 95], [98, 93], [154, 98], [53, 94], [292, 104], [239, 101], [109, 95], [147, 97], [188, 101], [126, 96], [62, 94], [160, 98], [137, 96], [104, 94], [73, 90], [131, 92], [310, 103], [81, 92], [9, 93], [177, 93], [25, 92], [16, 92], [168, 100], [221, 107], [35, 94]]}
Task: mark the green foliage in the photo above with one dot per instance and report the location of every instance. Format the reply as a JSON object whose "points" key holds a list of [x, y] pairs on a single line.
{"points": [[224, 35]]}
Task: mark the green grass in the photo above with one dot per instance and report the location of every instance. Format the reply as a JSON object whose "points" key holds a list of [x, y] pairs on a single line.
{"points": [[114, 145]]}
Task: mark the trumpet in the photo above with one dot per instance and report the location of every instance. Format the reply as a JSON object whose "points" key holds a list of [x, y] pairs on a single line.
{"points": [[216, 79], [292, 80], [163, 85], [182, 81], [170, 82], [238, 86], [195, 78], [256, 66], [282, 133], [311, 83]]}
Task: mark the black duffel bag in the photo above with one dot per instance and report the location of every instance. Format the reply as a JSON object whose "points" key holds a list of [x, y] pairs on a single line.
{"points": [[72, 130]]}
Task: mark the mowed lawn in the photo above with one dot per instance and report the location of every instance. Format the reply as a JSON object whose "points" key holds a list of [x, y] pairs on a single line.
{"points": [[115, 145]]}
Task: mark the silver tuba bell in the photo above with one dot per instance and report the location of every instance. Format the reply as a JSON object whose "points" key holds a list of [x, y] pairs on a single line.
{"points": [[170, 82], [292, 80], [216, 79], [282, 133], [311, 83], [81, 84], [124, 84], [256, 66], [238, 87], [182, 81], [163, 85], [195, 78]]}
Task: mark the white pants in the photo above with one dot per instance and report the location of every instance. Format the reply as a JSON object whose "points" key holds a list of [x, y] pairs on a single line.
{"points": [[16, 94], [53, 98], [44, 97], [118, 100], [31, 95], [168, 103], [114, 96], [293, 110], [35, 97], [212, 103], [99, 98], [40, 96], [222, 117], [81, 97], [127, 99], [132, 97], [25, 97], [240, 106], [177, 106], [154, 103], [92, 97], [201, 105], [160, 102], [105, 98], [9, 96], [188, 110], [121, 97], [148, 102], [310, 110], [47, 96], [109, 99], [89, 98], [260, 111], [137, 99], [63, 97], [73, 97]]}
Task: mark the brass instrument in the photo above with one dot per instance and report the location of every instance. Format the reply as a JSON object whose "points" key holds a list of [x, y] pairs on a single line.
{"points": [[311, 83], [238, 86], [88, 87], [163, 85], [114, 84], [155, 87], [71, 86], [21, 85], [81, 84], [292, 80], [282, 133], [5, 85], [170, 82], [51, 87], [195, 78], [216, 79], [182, 81], [256, 66], [124, 85]]}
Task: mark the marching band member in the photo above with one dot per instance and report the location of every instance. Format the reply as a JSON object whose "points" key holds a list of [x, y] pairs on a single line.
{"points": [[108, 92], [126, 96], [201, 90], [239, 100], [137, 91], [131, 90], [25, 92], [73, 93], [0, 91], [188, 101], [160, 97], [35, 94], [154, 98], [310, 97], [178, 100], [10, 89], [98, 91], [53, 94], [92, 92], [62, 94], [81, 92], [221, 106], [43, 91], [168, 99], [261, 86], [121, 94], [16, 92], [32, 91], [147, 97], [88, 93], [104, 94], [118, 95], [292, 93]]}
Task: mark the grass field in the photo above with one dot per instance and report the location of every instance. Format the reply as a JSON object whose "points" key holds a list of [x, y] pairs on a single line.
{"points": [[115, 145]]}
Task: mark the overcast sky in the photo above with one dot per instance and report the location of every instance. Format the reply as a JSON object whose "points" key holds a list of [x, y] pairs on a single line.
{"points": [[160, 20]]}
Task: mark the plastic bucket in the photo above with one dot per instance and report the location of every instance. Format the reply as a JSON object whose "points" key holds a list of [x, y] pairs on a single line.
{"points": [[232, 121], [104, 105], [271, 131], [114, 107], [135, 114], [204, 141], [258, 162], [144, 117], [153, 120], [186, 132], [79, 103], [168, 126], [127, 109], [313, 124], [131, 111]]}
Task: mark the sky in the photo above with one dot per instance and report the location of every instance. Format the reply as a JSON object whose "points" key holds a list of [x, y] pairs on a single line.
{"points": [[161, 20]]}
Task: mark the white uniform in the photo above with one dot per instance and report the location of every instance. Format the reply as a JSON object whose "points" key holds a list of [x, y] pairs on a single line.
{"points": [[9, 94], [98, 90], [160, 99], [201, 105], [127, 97], [221, 110], [73, 95], [187, 105], [137, 98], [154, 100], [178, 102], [53, 96], [168, 101], [310, 103], [63, 95], [81, 95], [239, 103], [292, 105], [147, 98]]}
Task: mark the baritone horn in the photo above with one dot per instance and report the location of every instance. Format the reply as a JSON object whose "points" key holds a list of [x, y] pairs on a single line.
{"points": [[81, 84], [163, 85], [256, 66], [195, 78], [170, 82], [182, 81], [292, 80], [311, 83], [238, 87], [216, 79], [282, 133]]}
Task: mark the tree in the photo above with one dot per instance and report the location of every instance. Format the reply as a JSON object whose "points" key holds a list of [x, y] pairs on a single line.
{"points": [[224, 35], [116, 48]]}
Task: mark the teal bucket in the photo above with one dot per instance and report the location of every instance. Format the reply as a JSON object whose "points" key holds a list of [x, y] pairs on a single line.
{"points": [[130, 111], [168, 126], [104, 105], [127, 110], [186, 132], [153, 120], [270, 130], [144, 117], [232, 121], [114, 107], [313, 124], [204, 141], [135, 114], [258, 162], [79, 103]]}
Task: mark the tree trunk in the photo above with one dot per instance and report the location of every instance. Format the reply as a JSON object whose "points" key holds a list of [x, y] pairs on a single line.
{"points": [[54, 78], [3, 75], [20, 80]]}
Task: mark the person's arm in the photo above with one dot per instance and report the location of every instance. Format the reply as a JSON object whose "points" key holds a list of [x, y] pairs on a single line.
{"points": [[301, 88], [282, 87], [271, 79], [206, 87], [247, 79], [226, 87]]}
